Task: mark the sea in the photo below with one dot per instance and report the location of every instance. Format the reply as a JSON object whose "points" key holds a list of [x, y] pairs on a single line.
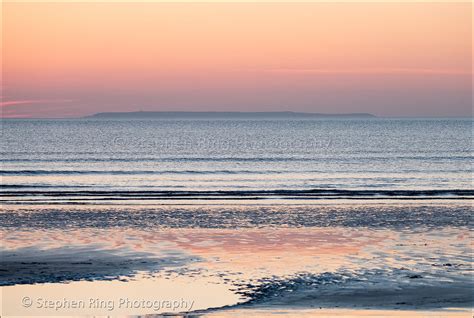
{"points": [[66, 161], [236, 215]]}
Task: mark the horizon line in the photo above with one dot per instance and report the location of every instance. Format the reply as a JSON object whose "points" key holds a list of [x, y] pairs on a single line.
{"points": [[90, 116]]}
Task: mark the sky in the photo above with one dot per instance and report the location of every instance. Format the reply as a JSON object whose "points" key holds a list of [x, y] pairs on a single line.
{"points": [[388, 59]]}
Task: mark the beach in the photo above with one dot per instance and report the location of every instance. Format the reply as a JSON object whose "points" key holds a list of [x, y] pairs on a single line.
{"points": [[224, 231], [423, 263]]}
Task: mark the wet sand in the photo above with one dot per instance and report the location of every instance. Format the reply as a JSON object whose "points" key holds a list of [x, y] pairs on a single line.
{"points": [[346, 313], [343, 266]]}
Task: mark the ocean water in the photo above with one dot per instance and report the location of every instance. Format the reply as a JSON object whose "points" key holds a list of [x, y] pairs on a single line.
{"points": [[226, 216], [123, 160]]}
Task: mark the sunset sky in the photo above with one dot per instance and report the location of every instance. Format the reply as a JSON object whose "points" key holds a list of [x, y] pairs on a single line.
{"points": [[389, 59]]}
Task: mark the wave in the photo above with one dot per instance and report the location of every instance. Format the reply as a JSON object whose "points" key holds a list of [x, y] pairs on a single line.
{"points": [[37, 186], [242, 194], [133, 172], [40, 172], [233, 159], [62, 186]]}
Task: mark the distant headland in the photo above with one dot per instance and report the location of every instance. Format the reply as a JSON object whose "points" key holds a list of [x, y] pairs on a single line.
{"points": [[223, 115]]}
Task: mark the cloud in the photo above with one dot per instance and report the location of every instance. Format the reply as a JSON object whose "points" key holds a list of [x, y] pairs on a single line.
{"points": [[32, 101], [8, 109], [413, 71]]}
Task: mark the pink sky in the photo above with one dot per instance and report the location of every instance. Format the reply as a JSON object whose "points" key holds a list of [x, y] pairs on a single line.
{"points": [[389, 59]]}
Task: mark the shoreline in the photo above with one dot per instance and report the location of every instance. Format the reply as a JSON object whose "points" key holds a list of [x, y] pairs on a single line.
{"points": [[341, 312]]}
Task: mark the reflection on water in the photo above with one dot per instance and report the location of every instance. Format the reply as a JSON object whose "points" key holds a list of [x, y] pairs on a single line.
{"points": [[277, 267]]}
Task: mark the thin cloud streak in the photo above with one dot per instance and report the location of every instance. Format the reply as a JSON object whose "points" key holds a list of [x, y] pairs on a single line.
{"points": [[408, 71], [33, 101]]}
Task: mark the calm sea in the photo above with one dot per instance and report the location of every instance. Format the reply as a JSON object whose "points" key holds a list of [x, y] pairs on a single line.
{"points": [[92, 160]]}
